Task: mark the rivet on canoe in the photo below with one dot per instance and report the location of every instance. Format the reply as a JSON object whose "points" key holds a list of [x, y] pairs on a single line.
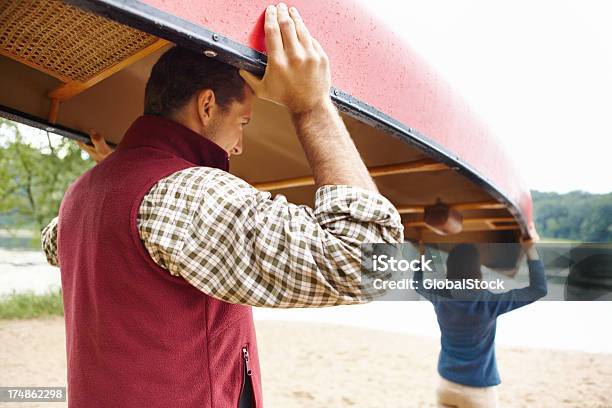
{"points": [[210, 53], [216, 37]]}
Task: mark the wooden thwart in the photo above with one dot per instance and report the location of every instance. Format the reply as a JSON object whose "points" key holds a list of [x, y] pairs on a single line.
{"points": [[479, 205], [509, 223], [416, 166]]}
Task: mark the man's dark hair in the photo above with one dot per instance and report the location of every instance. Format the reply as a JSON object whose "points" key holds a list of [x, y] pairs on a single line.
{"points": [[180, 73], [463, 262]]}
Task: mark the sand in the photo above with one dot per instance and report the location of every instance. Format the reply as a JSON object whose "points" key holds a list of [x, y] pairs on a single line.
{"points": [[318, 365]]}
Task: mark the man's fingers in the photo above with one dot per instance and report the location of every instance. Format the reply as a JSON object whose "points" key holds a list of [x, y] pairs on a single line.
{"points": [[274, 43], [83, 146], [318, 47], [302, 32], [99, 143], [251, 80], [533, 234], [291, 43]]}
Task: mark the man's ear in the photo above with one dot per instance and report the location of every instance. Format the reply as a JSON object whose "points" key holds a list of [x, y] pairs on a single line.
{"points": [[206, 105]]}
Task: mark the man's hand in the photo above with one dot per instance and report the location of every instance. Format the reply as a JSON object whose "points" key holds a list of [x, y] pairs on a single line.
{"points": [[528, 245], [298, 77], [100, 150], [298, 74]]}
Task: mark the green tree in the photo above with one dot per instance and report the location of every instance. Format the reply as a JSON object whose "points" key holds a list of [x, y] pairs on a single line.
{"points": [[577, 215], [33, 178]]}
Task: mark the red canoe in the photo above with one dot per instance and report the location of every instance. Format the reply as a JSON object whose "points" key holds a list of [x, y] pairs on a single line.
{"points": [[416, 135]]}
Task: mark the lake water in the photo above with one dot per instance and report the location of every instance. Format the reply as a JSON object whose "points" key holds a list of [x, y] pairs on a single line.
{"points": [[26, 270], [582, 326]]}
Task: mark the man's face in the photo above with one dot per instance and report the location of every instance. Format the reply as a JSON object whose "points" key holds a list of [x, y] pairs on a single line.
{"points": [[226, 126]]}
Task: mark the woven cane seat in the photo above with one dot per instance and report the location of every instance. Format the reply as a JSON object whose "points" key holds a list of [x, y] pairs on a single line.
{"points": [[64, 41]]}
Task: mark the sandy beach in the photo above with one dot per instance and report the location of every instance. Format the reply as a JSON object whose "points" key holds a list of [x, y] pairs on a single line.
{"points": [[308, 365]]}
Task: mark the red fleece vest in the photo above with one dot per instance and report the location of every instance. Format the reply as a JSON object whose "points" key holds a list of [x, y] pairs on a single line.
{"points": [[137, 336]]}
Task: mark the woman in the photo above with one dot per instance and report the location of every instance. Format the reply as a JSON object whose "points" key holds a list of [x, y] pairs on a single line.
{"points": [[467, 365]]}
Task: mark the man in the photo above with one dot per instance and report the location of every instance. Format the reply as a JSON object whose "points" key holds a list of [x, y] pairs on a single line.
{"points": [[162, 251], [467, 365]]}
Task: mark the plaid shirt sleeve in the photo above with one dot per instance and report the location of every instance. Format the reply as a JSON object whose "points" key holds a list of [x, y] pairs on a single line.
{"points": [[48, 240], [240, 245]]}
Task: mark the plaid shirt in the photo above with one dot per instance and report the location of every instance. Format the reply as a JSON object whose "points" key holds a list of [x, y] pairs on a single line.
{"points": [[240, 245]]}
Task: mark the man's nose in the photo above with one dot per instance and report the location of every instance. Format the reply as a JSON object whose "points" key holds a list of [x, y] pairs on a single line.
{"points": [[237, 150]]}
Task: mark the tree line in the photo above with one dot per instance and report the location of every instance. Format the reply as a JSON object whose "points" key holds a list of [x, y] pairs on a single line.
{"points": [[577, 215]]}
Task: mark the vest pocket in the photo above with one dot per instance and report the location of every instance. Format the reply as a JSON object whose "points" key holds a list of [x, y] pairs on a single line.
{"points": [[247, 396]]}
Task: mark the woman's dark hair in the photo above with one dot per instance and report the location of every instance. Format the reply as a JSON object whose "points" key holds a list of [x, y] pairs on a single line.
{"points": [[180, 73], [463, 262]]}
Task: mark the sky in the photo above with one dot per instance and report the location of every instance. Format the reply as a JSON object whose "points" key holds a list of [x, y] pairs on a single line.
{"points": [[538, 73]]}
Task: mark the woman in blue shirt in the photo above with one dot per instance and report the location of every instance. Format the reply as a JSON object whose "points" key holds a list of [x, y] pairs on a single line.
{"points": [[467, 364]]}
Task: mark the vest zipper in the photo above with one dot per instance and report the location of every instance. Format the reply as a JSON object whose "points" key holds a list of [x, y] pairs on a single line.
{"points": [[245, 356], [247, 394]]}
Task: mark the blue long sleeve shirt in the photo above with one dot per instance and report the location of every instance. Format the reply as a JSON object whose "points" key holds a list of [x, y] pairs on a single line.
{"points": [[467, 327]]}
